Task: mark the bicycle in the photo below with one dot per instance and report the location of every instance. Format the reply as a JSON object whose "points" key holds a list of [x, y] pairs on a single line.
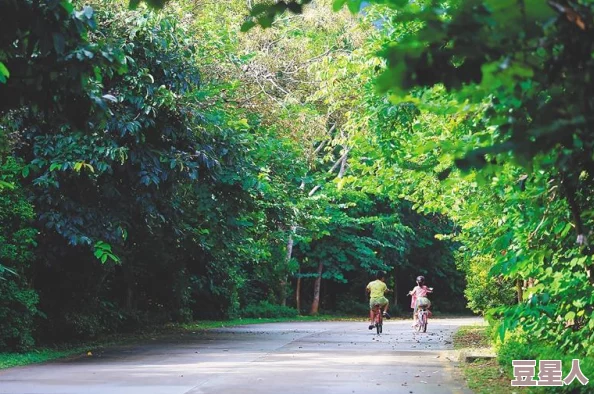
{"points": [[423, 313], [378, 318], [422, 317]]}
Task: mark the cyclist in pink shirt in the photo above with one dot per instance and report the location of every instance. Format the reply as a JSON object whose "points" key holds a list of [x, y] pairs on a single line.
{"points": [[419, 296]]}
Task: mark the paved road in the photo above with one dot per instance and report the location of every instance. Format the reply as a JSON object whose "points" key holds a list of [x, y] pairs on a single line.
{"points": [[316, 358]]}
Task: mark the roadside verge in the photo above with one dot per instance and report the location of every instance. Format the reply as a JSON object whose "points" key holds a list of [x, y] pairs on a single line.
{"points": [[482, 373], [89, 348]]}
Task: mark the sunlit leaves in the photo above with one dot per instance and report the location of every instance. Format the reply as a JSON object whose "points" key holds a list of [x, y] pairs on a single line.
{"points": [[4, 73], [133, 4], [103, 252], [264, 14], [508, 123]]}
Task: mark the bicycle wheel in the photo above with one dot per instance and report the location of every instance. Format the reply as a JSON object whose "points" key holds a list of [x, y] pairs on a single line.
{"points": [[379, 327], [378, 323], [423, 322]]}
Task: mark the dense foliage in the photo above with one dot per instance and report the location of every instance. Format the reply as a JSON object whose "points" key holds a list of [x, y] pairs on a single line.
{"points": [[18, 304], [491, 126], [161, 166], [488, 120]]}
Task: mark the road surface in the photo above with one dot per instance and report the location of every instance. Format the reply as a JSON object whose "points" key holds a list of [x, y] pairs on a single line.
{"points": [[316, 358]]}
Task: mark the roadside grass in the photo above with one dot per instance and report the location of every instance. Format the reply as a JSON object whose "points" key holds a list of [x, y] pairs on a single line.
{"points": [[209, 324], [8, 360], [487, 377], [87, 348], [483, 376], [472, 337]]}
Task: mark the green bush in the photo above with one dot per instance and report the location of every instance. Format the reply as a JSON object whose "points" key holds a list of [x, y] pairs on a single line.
{"points": [[266, 309], [18, 306], [353, 307], [483, 291], [18, 302]]}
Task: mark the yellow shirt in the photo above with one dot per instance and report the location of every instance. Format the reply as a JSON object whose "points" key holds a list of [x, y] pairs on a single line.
{"points": [[377, 288]]}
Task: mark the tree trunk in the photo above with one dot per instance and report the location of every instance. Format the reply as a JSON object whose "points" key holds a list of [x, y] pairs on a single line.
{"points": [[285, 278], [315, 305], [520, 291], [395, 289], [129, 291], [298, 293], [129, 297], [343, 164]]}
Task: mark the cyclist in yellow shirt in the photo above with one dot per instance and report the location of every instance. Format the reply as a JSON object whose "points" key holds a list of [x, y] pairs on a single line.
{"points": [[376, 290]]}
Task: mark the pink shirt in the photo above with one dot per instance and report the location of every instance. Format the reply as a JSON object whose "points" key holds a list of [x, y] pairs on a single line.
{"points": [[418, 291]]}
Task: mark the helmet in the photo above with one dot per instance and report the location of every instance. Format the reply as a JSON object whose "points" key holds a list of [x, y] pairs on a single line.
{"points": [[420, 279]]}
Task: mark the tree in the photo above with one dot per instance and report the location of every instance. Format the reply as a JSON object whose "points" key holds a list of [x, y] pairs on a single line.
{"points": [[18, 305], [175, 169], [501, 79]]}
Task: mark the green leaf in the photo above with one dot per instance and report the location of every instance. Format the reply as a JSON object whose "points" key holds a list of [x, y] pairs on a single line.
{"points": [[338, 4], [354, 5], [67, 5], [4, 73], [266, 21], [6, 185], [246, 26], [55, 166], [566, 229], [59, 43]]}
